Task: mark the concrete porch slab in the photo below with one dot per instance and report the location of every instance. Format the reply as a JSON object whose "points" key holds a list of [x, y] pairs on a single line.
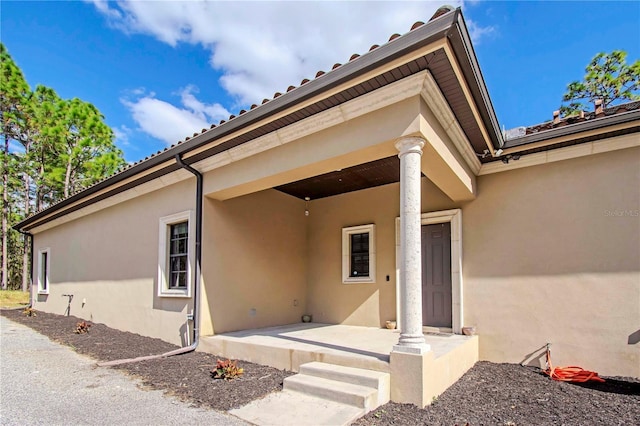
{"points": [[289, 346]]}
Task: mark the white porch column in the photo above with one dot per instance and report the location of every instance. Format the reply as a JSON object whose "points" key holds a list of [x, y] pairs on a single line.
{"points": [[411, 337]]}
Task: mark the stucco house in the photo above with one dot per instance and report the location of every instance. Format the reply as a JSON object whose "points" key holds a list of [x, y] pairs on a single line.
{"points": [[381, 190]]}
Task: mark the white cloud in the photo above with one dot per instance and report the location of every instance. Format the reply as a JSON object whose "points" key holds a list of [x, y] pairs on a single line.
{"points": [[103, 7], [122, 135], [263, 47], [477, 33], [171, 123], [259, 47]]}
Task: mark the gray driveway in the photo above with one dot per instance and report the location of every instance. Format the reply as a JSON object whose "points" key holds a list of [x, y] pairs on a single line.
{"points": [[44, 383]]}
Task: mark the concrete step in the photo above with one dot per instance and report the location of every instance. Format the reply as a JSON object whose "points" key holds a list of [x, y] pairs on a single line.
{"points": [[297, 409], [357, 376], [363, 397]]}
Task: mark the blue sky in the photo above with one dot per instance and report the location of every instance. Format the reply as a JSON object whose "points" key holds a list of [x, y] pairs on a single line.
{"points": [[161, 70]]}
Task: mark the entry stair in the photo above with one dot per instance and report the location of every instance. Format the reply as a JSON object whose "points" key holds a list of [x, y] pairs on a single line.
{"points": [[321, 393], [364, 389]]}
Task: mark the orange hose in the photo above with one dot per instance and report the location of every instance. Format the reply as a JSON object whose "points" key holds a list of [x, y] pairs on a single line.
{"points": [[571, 373]]}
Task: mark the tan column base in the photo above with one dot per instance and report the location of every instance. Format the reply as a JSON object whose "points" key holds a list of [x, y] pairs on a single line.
{"points": [[408, 376], [419, 378]]}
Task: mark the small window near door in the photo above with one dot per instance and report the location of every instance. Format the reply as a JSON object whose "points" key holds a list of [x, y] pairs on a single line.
{"points": [[359, 262], [358, 254], [43, 270]]}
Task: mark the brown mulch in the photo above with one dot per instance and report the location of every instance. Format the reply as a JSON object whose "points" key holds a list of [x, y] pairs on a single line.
{"points": [[510, 394], [184, 376], [488, 394]]}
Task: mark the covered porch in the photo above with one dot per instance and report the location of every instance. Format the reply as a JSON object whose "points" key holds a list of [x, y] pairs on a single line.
{"points": [[277, 235], [282, 216], [370, 348], [278, 219]]}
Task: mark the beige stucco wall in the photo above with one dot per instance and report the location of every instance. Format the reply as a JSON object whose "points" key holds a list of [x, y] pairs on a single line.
{"points": [[108, 260], [254, 262], [369, 304], [552, 254]]}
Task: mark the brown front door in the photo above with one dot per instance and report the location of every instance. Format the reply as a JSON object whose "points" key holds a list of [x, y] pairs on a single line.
{"points": [[436, 275]]}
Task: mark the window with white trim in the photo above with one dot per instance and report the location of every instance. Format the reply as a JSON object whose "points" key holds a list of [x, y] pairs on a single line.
{"points": [[358, 254], [176, 255], [44, 262]]}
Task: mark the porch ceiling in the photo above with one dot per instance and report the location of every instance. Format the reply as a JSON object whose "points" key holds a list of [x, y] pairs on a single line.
{"points": [[367, 175]]}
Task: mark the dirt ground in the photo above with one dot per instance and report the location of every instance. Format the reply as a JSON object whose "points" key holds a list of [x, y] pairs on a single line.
{"points": [[489, 394]]}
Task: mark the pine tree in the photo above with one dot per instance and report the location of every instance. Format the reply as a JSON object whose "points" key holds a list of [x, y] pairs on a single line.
{"points": [[13, 90], [52, 147], [609, 78]]}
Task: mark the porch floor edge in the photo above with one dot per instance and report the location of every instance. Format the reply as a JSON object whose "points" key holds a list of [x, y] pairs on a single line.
{"points": [[289, 346]]}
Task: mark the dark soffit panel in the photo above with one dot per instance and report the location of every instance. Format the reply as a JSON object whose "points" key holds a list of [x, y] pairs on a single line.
{"points": [[362, 176]]}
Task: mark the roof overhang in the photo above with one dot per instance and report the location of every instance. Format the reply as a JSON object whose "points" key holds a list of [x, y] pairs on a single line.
{"points": [[600, 135], [626, 120], [442, 46]]}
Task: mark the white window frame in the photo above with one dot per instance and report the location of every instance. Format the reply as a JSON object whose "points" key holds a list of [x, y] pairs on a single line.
{"points": [[43, 279], [346, 253], [164, 230]]}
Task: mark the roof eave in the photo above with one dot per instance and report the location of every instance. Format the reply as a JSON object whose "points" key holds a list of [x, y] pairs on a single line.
{"points": [[460, 41], [413, 40], [572, 129]]}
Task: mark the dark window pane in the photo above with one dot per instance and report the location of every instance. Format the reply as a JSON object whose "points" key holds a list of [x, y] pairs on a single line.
{"points": [[178, 247], [178, 280], [179, 230], [178, 258], [45, 272], [178, 263], [359, 255], [182, 263]]}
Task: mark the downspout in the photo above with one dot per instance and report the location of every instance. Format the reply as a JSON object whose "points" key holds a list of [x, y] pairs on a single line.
{"points": [[196, 281], [30, 235]]}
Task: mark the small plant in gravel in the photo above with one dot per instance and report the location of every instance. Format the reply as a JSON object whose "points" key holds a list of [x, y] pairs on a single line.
{"points": [[226, 369], [82, 327], [378, 414], [29, 312]]}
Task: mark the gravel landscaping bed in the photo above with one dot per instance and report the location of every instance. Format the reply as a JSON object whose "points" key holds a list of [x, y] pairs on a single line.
{"points": [[509, 394], [489, 394]]}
